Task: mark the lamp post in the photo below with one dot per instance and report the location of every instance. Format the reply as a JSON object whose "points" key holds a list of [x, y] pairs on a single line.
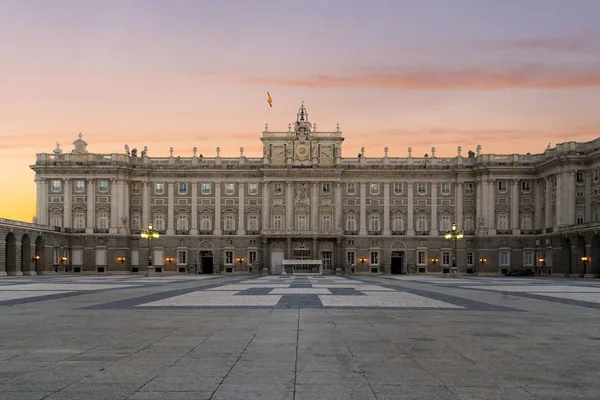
{"points": [[454, 235], [150, 234], [542, 264], [435, 261], [362, 261], [585, 260], [169, 260], [482, 261], [63, 260], [240, 260], [121, 260]]}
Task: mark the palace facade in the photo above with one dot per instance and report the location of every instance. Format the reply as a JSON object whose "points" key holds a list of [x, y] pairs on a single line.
{"points": [[302, 200]]}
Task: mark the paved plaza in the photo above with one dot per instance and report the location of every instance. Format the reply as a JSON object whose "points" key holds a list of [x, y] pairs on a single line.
{"points": [[298, 337]]}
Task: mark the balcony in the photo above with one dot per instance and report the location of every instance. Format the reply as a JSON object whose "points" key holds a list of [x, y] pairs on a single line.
{"points": [[228, 232], [252, 232], [528, 232], [469, 233], [182, 232], [136, 231], [422, 233], [348, 233], [100, 230], [206, 232], [77, 230], [373, 233], [503, 232], [398, 233]]}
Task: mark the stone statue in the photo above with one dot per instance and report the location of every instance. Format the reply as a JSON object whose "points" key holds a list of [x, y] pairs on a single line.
{"points": [[302, 196]]}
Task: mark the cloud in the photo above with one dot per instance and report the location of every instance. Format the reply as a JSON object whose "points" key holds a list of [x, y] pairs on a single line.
{"points": [[580, 44], [526, 76]]}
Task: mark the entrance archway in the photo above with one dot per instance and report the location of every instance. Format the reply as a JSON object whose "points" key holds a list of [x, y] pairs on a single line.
{"points": [[205, 258], [26, 262], [40, 251], [566, 256], [398, 258], [10, 254]]}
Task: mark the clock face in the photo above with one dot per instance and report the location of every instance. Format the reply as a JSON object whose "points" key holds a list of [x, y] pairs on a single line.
{"points": [[302, 151]]}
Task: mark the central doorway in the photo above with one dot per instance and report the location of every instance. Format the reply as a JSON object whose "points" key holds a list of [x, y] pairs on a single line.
{"points": [[301, 254], [206, 262], [398, 263]]}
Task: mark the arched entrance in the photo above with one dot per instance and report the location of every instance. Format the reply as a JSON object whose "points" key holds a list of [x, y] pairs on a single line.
{"points": [[566, 256], [398, 258], [40, 252], [26, 259], [595, 266], [205, 258], [11, 254]]}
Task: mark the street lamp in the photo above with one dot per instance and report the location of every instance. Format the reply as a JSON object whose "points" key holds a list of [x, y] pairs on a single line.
{"points": [[121, 260], [585, 260], [240, 260], [35, 258], [542, 264], [63, 260], [150, 234], [453, 235], [435, 261], [169, 260], [362, 261]]}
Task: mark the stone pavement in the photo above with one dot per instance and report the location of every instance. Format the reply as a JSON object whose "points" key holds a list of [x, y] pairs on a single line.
{"points": [[298, 337]]}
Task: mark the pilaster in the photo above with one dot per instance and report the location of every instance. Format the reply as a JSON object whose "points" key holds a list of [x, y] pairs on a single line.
{"points": [[289, 214], [146, 205], [492, 207], [514, 208], [241, 212], [434, 213], [410, 231], [548, 203], [559, 202], [314, 205], [337, 224], [114, 207], [67, 203], [194, 230], [91, 206], [265, 206], [386, 209], [218, 230], [459, 206], [363, 209]]}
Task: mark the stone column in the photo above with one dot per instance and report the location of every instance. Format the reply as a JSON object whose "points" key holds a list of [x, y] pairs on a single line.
{"points": [[339, 256], [241, 212], [492, 207], [363, 209], [114, 206], [338, 210], [537, 205], [3, 254], [265, 206], [44, 202], [514, 208], [38, 200], [146, 205], [314, 207], [548, 202], [559, 203], [289, 204], [570, 193], [588, 197], [218, 230], [410, 231], [314, 254], [265, 256], [170, 209], [458, 207], [434, 214], [91, 206], [481, 212], [386, 209], [194, 230], [125, 191], [67, 204], [288, 249]]}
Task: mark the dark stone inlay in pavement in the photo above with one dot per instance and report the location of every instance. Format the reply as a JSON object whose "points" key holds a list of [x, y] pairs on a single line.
{"points": [[258, 291], [12, 302], [299, 301], [345, 292], [300, 286]]}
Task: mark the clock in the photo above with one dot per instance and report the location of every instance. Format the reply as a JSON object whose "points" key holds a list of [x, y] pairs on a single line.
{"points": [[302, 151]]}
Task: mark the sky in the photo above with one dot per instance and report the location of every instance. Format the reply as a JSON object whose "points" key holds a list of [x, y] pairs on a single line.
{"points": [[510, 75]]}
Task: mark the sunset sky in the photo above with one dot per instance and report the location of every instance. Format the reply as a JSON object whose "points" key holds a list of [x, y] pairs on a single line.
{"points": [[511, 75]]}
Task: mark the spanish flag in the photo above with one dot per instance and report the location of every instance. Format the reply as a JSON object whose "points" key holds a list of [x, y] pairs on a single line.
{"points": [[269, 99]]}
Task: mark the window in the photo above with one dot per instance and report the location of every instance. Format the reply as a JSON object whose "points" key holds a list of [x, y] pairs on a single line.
{"points": [[374, 258], [136, 222], [445, 222], [397, 188], [526, 222], [205, 223], [182, 222], [596, 175], [56, 185], [445, 188], [181, 257], [375, 243], [351, 258], [548, 258], [502, 186], [351, 188], [351, 222], [469, 223], [421, 188], [252, 257], [579, 177], [135, 188], [505, 258], [229, 188], [528, 258], [469, 188], [229, 222], [422, 223], [374, 222], [579, 219], [79, 220], [301, 223], [326, 222], [421, 257], [80, 186], [159, 222], [159, 188], [278, 222], [579, 193], [351, 243], [326, 188], [206, 188], [102, 222], [525, 188], [374, 188], [228, 257], [253, 188], [103, 185], [502, 221], [277, 188], [56, 218], [182, 188], [470, 258], [446, 258], [252, 222], [398, 223]]}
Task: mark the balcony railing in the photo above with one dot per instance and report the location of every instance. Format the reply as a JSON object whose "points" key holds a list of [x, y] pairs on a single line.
{"points": [[374, 232], [469, 233], [252, 232], [206, 232], [399, 233], [503, 232], [182, 232], [350, 232], [228, 232], [100, 230], [422, 233]]}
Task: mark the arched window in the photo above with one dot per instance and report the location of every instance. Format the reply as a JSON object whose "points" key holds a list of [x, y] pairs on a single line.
{"points": [[398, 223], [79, 219], [422, 223], [445, 222], [253, 222], [56, 217], [102, 219], [502, 221], [351, 222], [182, 222], [136, 222], [374, 222], [326, 222], [469, 223], [229, 221], [526, 221], [159, 221], [205, 222]]}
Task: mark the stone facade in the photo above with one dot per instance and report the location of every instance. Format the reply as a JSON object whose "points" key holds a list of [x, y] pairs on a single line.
{"points": [[303, 200]]}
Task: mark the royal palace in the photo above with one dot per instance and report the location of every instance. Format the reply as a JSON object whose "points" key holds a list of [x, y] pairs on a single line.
{"points": [[302, 204]]}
